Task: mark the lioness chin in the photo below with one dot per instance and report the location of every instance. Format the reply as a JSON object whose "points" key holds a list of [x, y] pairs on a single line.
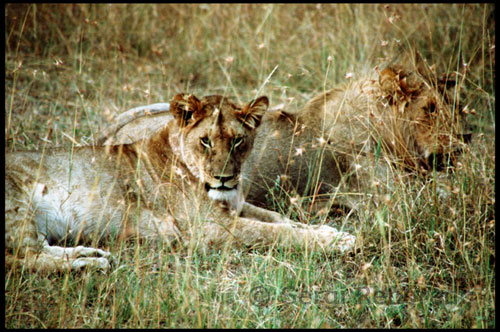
{"points": [[181, 183]]}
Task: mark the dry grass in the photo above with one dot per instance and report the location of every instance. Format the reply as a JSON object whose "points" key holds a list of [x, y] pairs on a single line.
{"points": [[425, 261]]}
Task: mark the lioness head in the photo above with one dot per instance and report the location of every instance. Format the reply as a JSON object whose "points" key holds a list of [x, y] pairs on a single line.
{"points": [[216, 136], [429, 130]]}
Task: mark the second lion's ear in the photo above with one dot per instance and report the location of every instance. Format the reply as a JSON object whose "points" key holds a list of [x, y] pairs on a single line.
{"points": [[186, 108], [252, 114]]}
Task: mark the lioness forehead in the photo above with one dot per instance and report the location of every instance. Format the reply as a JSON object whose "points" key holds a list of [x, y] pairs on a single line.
{"points": [[216, 103], [220, 119]]}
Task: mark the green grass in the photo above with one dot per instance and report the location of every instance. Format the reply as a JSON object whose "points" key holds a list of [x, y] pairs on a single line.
{"points": [[424, 260]]}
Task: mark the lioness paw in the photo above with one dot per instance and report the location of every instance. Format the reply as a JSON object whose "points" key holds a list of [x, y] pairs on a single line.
{"points": [[337, 240], [82, 251], [99, 263], [79, 257]]}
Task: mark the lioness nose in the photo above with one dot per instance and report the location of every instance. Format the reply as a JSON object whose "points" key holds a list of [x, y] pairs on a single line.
{"points": [[224, 178]]}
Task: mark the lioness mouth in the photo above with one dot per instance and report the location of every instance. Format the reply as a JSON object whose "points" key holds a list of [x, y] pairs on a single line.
{"points": [[220, 188]]}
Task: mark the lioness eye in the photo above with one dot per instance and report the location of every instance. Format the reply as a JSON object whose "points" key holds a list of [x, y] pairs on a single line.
{"points": [[431, 108], [205, 141]]}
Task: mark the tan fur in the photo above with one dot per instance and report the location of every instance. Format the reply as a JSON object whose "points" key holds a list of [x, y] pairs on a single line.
{"points": [[348, 139], [182, 183]]}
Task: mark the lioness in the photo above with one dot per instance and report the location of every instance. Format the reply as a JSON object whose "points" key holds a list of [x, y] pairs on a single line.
{"points": [[345, 142], [181, 183]]}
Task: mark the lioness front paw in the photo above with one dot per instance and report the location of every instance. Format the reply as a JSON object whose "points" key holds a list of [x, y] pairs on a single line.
{"points": [[99, 263], [92, 257], [82, 251], [337, 240]]}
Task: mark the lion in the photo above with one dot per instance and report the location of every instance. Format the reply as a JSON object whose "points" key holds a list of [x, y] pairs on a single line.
{"points": [[347, 140], [182, 183]]}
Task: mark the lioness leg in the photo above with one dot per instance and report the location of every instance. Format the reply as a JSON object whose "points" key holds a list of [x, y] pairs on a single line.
{"points": [[38, 255], [149, 226], [248, 232], [251, 211], [27, 244]]}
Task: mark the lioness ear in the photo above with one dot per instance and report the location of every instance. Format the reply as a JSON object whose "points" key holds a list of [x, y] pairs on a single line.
{"points": [[388, 80], [397, 81], [252, 114], [186, 108]]}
